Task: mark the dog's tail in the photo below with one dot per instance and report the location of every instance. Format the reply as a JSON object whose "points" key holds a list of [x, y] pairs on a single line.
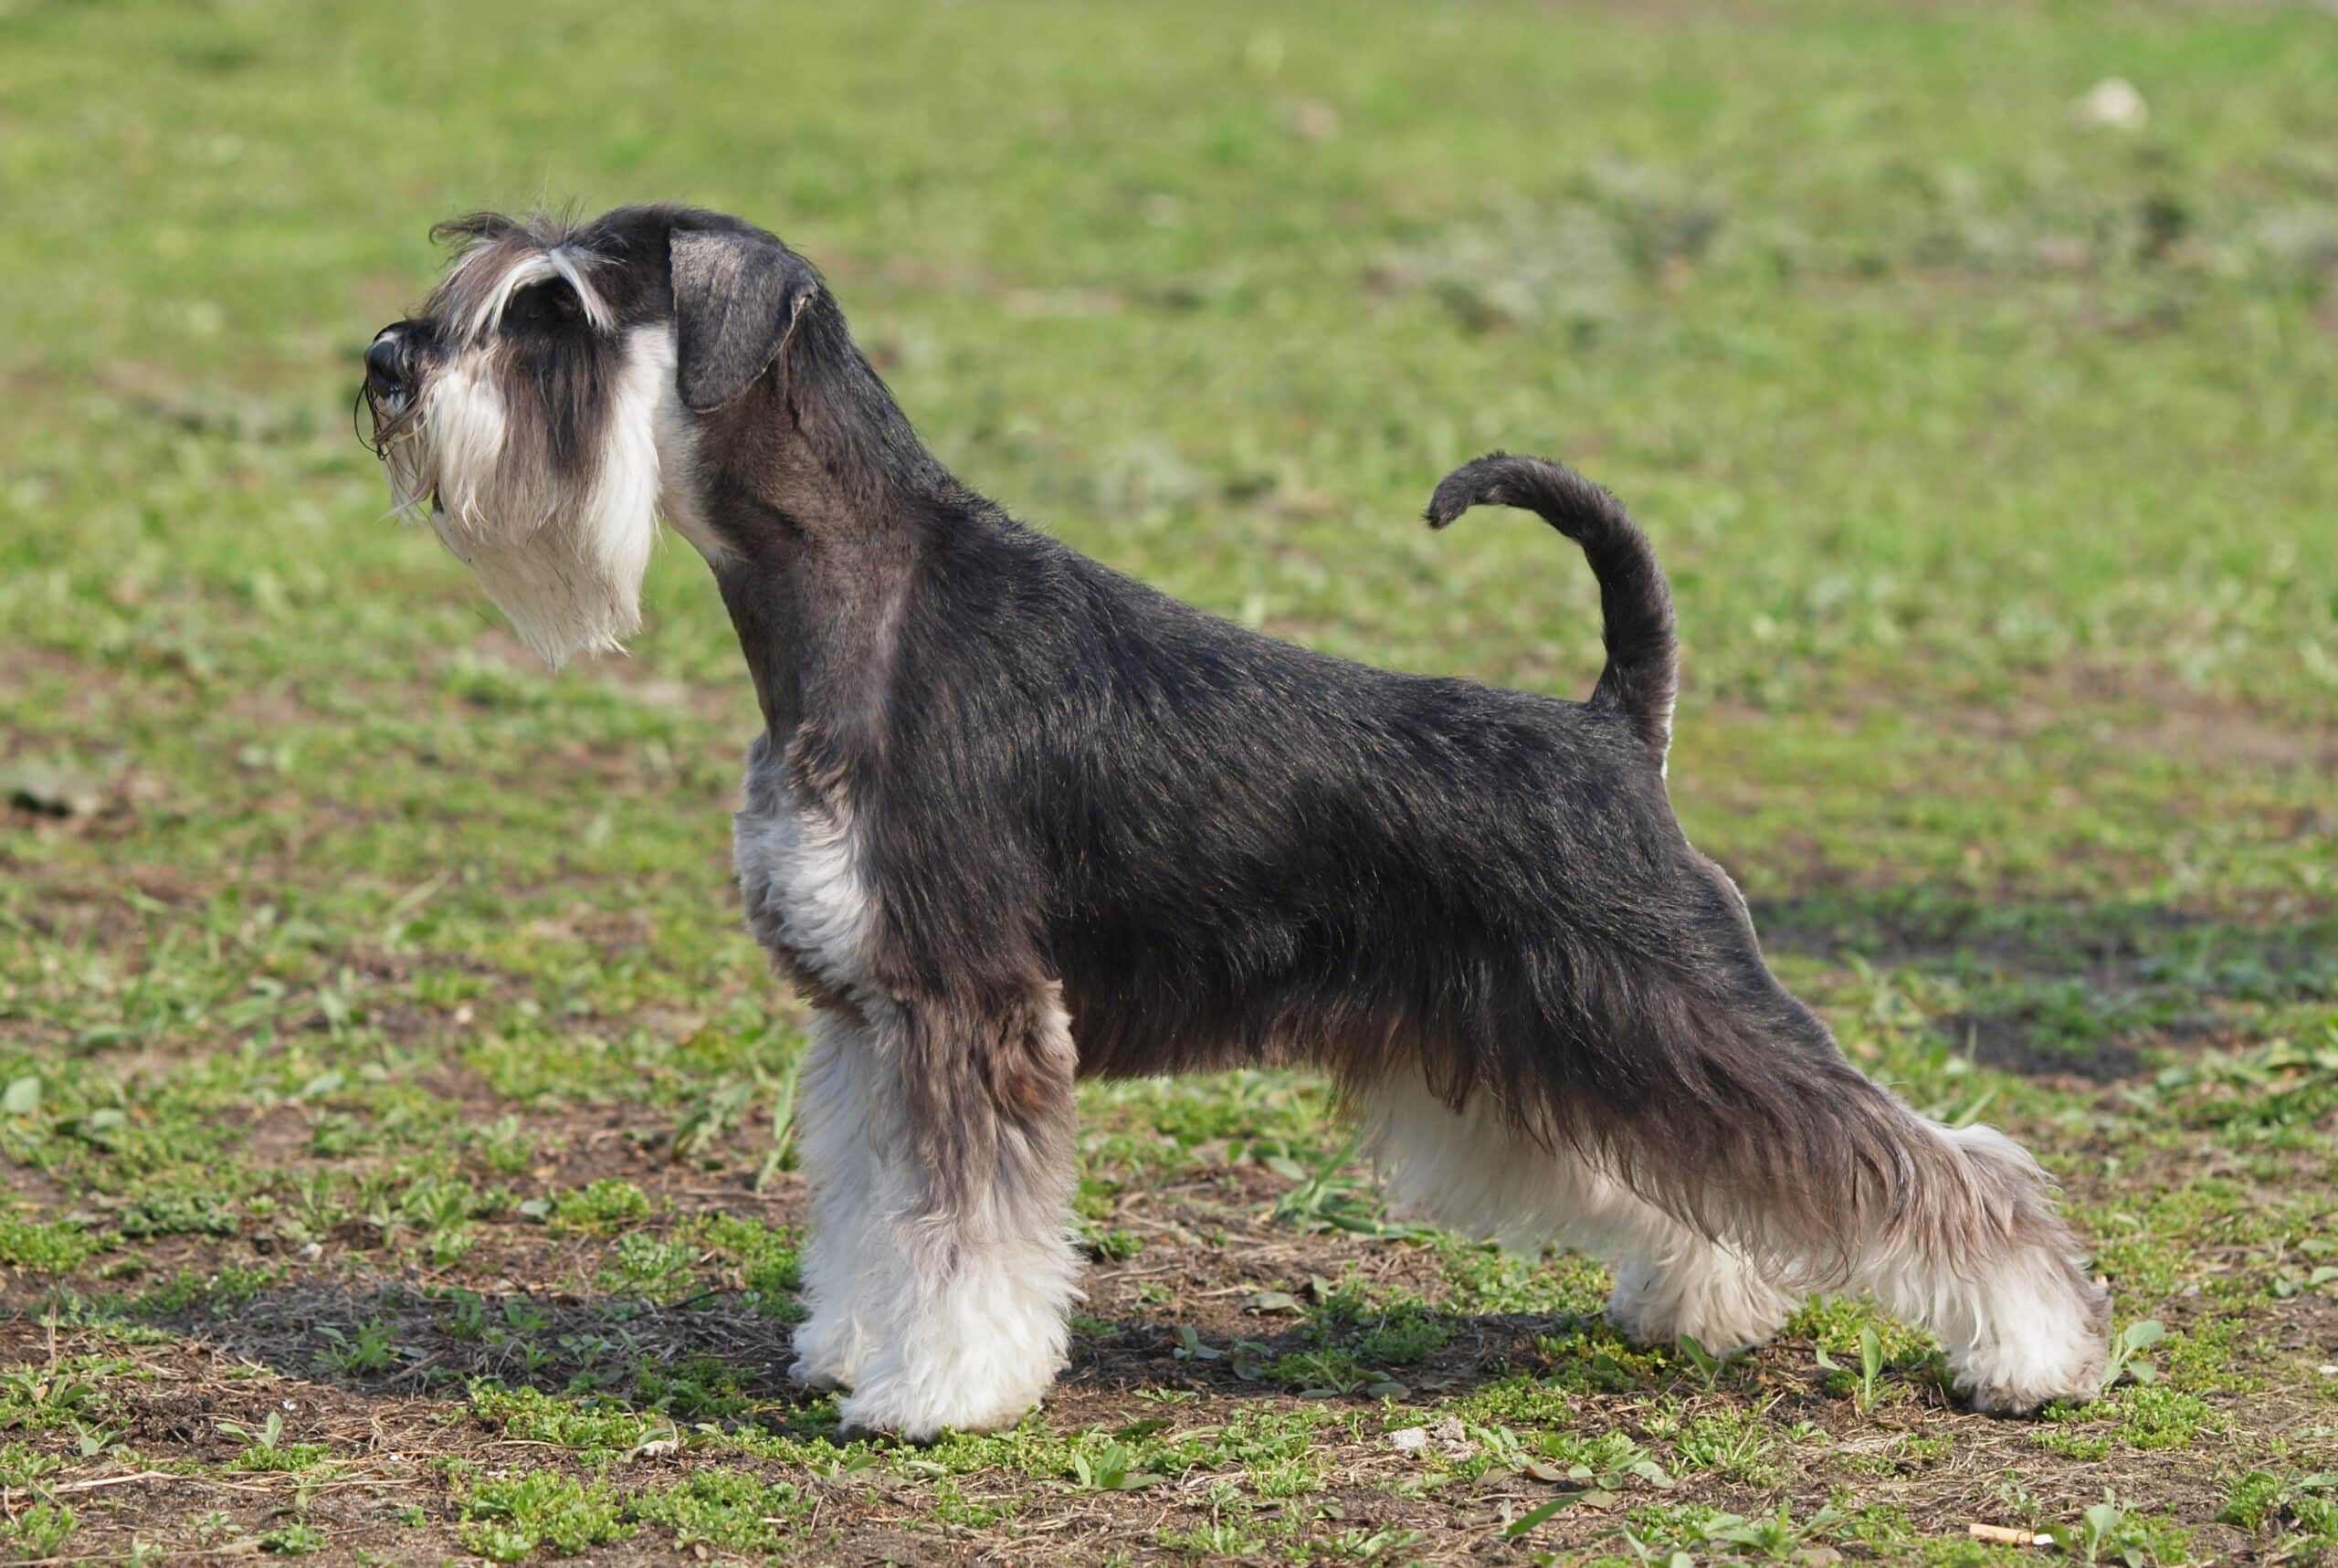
{"points": [[1643, 651]]}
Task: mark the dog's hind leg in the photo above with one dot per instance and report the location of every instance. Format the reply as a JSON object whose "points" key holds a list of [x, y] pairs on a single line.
{"points": [[1675, 1284], [1718, 1208], [1743, 1119], [973, 1262], [1960, 1236], [1468, 1172]]}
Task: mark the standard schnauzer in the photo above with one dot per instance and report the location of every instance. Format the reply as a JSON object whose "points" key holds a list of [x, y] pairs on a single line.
{"points": [[1016, 818]]}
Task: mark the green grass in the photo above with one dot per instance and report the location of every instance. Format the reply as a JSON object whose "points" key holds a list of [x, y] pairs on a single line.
{"points": [[373, 1009]]}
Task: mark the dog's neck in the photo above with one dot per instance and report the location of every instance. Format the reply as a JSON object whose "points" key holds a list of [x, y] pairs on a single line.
{"points": [[823, 500]]}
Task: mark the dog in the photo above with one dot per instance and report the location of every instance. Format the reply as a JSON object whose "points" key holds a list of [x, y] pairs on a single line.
{"points": [[1016, 819]]}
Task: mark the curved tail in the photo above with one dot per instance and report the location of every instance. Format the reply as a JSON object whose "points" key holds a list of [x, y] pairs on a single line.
{"points": [[1643, 651]]}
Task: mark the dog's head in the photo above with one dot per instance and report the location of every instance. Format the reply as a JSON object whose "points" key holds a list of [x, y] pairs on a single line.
{"points": [[546, 405]]}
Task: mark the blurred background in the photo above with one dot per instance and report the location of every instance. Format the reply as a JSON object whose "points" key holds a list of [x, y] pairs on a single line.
{"points": [[1973, 368]]}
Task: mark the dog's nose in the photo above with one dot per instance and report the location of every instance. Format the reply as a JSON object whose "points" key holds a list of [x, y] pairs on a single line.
{"points": [[382, 371]]}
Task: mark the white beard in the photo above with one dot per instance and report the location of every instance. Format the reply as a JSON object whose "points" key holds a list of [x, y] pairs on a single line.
{"points": [[566, 567]]}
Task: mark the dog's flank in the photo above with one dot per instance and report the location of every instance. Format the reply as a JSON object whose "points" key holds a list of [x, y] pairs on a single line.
{"points": [[1017, 817]]}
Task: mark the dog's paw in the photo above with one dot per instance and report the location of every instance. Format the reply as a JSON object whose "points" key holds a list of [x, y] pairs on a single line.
{"points": [[2058, 1348], [830, 1351], [903, 1405], [812, 1377], [1712, 1296]]}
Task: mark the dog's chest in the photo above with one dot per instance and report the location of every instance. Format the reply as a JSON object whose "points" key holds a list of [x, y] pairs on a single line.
{"points": [[800, 882]]}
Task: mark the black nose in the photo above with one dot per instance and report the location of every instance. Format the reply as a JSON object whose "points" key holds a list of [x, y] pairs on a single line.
{"points": [[383, 373]]}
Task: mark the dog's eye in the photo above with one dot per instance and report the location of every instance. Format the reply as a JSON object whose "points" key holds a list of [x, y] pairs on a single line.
{"points": [[542, 308]]}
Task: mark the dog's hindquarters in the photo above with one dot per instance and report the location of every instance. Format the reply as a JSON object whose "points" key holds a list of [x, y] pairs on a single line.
{"points": [[1728, 1161], [1673, 1107]]}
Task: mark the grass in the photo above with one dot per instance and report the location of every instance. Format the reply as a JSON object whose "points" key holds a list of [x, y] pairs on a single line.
{"points": [[387, 1089]]}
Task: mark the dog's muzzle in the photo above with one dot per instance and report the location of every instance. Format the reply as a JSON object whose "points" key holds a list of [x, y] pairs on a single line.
{"points": [[394, 371], [385, 365]]}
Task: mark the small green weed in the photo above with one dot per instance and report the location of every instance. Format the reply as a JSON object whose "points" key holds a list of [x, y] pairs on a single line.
{"points": [[1327, 1199], [507, 1517], [2160, 1418], [1404, 1333], [2111, 1532], [952, 1506], [21, 1465], [1328, 1374], [2083, 1446], [1598, 1361], [297, 1539], [176, 1213], [265, 1449], [1109, 1246], [218, 1290], [37, 1398], [532, 1416], [2127, 1345], [1706, 1367], [1113, 1468], [650, 1270], [368, 1350], [600, 1208], [2307, 1504], [730, 1510], [1687, 1527], [1221, 1540], [1862, 1386], [1736, 1444], [698, 1388], [1519, 1400], [1603, 1464], [52, 1248], [42, 1529], [763, 1261]]}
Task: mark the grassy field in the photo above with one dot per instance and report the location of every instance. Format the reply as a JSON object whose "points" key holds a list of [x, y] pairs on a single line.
{"points": [[388, 1088]]}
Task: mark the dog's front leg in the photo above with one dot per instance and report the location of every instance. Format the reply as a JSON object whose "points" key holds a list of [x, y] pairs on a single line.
{"points": [[839, 1111], [966, 1264]]}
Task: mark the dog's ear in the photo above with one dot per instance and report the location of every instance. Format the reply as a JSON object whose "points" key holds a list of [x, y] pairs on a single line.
{"points": [[737, 298]]}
